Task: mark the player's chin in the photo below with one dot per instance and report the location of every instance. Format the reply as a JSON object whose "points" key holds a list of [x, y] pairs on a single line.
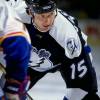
{"points": [[45, 29]]}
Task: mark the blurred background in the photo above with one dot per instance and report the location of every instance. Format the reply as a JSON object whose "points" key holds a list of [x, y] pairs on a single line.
{"points": [[52, 87], [83, 9], [88, 14]]}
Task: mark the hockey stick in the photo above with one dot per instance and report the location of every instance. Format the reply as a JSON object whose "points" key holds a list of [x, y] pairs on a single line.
{"points": [[28, 97], [2, 76], [2, 69]]}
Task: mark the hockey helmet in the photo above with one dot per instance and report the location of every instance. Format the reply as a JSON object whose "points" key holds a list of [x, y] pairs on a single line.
{"points": [[41, 6]]}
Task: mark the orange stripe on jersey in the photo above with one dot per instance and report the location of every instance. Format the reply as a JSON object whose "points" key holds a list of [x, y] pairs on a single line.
{"points": [[11, 35]]}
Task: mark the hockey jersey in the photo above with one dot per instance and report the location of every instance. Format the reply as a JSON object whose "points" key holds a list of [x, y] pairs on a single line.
{"points": [[62, 40], [63, 48], [10, 23]]}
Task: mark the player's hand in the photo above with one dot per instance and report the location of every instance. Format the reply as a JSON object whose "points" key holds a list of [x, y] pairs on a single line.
{"points": [[14, 89]]}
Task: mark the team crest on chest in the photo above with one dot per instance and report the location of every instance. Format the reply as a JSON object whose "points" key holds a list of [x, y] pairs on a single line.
{"points": [[39, 59]]}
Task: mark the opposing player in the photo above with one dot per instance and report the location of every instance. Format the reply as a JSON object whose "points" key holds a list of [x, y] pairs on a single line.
{"points": [[18, 5], [15, 44]]}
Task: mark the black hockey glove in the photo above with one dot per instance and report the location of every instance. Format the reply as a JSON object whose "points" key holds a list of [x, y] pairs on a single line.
{"points": [[91, 96]]}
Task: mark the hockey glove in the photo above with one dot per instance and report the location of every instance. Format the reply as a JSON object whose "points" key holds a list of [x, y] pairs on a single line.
{"points": [[91, 96], [14, 89]]}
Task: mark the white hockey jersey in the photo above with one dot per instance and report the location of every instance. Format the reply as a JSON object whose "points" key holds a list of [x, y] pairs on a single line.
{"points": [[20, 7], [10, 23]]}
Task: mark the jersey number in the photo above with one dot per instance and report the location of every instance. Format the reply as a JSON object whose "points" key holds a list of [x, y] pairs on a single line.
{"points": [[80, 68]]}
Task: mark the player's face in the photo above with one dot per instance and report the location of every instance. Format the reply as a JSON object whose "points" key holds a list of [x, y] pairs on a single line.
{"points": [[44, 21]]}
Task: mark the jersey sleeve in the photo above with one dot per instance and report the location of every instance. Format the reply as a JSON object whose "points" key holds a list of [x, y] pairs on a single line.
{"points": [[66, 34], [17, 53], [73, 45], [3, 16]]}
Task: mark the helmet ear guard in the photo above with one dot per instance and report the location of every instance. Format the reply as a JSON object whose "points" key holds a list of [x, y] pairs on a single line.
{"points": [[41, 6]]}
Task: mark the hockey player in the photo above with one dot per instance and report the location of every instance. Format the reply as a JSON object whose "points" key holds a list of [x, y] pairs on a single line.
{"points": [[59, 45], [15, 44]]}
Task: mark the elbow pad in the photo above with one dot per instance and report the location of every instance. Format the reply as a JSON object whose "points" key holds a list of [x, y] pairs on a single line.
{"points": [[17, 54]]}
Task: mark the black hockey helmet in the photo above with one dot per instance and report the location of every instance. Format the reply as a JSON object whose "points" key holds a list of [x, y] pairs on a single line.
{"points": [[41, 6]]}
